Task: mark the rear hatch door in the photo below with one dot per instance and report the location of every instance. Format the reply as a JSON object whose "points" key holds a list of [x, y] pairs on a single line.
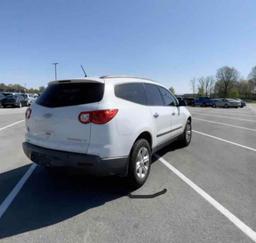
{"points": [[54, 121]]}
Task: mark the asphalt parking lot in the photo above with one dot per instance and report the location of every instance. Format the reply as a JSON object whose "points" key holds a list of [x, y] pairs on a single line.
{"points": [[210, 196]]}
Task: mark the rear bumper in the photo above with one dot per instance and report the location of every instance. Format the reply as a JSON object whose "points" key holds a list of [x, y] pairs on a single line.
{"points": [[91, 164]]}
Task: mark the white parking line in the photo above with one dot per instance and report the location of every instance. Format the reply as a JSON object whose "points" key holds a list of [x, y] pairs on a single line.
{"points": [[225, 124], [8, 200], [228, 117], [236, 221], [10, 125], [226, 141], [225, 111], [233, 114]]}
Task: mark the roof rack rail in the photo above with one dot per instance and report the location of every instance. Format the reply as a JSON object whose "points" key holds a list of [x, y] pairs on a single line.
{"points": [[124, 76]]}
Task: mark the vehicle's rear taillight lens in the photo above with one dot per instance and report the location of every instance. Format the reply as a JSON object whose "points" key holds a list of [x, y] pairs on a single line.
{"points": [[28, 113], [97, 117], [103, 116]]}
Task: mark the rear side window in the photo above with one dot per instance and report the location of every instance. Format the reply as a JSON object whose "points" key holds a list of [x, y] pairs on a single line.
{"points": [[169, 99], [133, 92], [153, 95], [68, 94]]}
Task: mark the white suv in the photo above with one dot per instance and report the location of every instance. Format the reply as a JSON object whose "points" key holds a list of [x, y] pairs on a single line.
{"points": [[107, 125]]}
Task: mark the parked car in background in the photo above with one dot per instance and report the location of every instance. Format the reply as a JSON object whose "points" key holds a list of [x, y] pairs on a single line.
{"points": [[2, 96], [30, 98], [243, 104], [203, 101], [7, 93], [189, 101], [225, 103], [14, 100]]}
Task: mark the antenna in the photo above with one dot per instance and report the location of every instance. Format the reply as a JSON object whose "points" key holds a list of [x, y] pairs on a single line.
{"points": [[85, 75]]}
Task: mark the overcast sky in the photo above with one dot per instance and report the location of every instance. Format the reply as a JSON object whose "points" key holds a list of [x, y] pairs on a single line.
{"points": [[170, 41]]}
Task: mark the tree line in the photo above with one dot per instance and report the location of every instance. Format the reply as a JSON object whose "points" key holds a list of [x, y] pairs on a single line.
{"points": [[19, 88], [227, 83]]}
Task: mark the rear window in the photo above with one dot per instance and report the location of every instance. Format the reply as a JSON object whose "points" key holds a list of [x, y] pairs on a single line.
{"points": [[68, 94]]}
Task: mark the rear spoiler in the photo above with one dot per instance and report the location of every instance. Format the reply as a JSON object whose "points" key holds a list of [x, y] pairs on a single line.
{"points": [[78, 80]]}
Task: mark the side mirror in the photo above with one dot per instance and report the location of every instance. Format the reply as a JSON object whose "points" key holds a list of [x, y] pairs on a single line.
{"points": [[182, 103]]}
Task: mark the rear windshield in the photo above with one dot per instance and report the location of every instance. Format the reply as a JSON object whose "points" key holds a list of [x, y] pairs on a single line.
{"points": [[68, 94]]}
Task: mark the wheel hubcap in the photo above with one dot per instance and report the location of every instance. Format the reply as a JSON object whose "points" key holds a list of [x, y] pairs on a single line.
{"points": [[142, 162], [188, 132]]}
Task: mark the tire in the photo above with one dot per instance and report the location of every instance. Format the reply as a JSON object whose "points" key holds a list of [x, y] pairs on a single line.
{"points": [[214, 105], [225, 106], [186, 137], [138, 169]]}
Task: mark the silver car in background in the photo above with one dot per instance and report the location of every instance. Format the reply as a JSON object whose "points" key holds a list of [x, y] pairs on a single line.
{"points": [[226, 103]]}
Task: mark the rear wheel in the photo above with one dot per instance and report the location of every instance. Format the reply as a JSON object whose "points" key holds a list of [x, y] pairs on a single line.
{"points": [[140, 162], [185, 138]]}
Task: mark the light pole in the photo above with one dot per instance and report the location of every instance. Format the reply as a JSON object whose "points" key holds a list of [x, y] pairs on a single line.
{"points": [[55, 69]]}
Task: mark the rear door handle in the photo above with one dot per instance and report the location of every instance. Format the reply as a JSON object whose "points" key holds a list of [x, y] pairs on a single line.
{"points": [[156, 115]]}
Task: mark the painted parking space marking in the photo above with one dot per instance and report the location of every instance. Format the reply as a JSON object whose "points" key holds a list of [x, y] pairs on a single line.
{"points": [[239, 115], [224, 140], [9, 199], [228, 117], [231, 217], [225, 124], [11, 125]]}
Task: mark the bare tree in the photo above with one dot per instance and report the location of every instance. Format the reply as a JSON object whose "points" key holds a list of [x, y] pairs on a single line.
{"points": [[252, 75], [209, 85], [201, 86], [252, 80], [193, 85], [244, 89], [227, 77]]}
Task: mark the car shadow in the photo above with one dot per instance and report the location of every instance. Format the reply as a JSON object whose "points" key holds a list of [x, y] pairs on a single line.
{"points": [[50, 198], [47, 199]]}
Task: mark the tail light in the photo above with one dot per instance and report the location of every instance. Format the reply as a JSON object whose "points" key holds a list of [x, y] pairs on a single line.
{"points": [[28, 113], [97, 117]]}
